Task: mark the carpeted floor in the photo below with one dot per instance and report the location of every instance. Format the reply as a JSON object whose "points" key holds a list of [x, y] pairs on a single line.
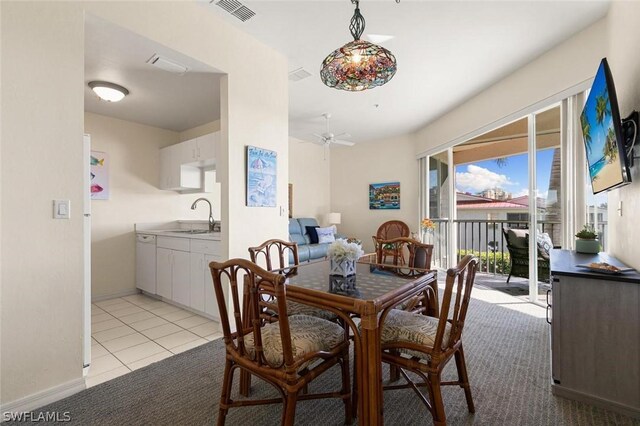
{"points": [[507, 348]]}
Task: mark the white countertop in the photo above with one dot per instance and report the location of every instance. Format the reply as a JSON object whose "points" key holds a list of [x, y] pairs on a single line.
{"points": [[168, 229]]}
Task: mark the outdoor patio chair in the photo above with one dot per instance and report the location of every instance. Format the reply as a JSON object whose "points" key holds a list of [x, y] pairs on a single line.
{"points": [[518, 246]]}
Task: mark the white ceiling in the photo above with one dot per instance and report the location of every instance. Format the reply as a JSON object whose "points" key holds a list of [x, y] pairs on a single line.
{"points": [[157, 98], [447, 51]]}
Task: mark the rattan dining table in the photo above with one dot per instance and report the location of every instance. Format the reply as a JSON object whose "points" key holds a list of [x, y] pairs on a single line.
{"points": [[369, 295]]}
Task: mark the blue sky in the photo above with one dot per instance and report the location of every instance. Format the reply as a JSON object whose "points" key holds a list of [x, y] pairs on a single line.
{"points": [[512, 176]]}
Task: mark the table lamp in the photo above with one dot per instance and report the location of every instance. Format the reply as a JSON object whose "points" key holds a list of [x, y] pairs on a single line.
{"points": [[333, 218]]}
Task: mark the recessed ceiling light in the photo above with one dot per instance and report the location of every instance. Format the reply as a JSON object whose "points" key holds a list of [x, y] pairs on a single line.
{"points": [[109, 92]]}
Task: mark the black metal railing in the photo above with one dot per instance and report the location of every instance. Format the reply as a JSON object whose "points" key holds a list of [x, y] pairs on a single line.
{"points": [[485, 239]]}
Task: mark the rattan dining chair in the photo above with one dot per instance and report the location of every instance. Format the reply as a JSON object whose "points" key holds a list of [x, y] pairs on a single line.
{"points": [[388, 231], [287, 354], [424, 345], [266, 251]]}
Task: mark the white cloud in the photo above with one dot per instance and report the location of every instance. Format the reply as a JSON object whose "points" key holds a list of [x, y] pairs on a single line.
{"points": [[477, 179]]}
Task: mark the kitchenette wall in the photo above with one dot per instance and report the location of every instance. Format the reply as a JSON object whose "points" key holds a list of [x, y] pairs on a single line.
{"points": [[134, 164]]}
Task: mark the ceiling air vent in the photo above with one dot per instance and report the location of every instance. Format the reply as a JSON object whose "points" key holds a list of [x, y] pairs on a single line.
{"points": [[299, 74], [167, 64], [237, 9]]}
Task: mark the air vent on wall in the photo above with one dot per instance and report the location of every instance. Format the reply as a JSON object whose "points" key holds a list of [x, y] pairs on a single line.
{"points": [[236, 8], [167, 64], [299, 74]]}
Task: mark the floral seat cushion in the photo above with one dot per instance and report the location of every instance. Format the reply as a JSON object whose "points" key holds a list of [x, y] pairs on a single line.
{"points": [[402, 326], [308, 334], [295, 308]]}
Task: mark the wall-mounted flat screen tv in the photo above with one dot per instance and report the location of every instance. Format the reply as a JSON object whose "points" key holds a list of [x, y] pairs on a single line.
{"points": [[603, 136]]}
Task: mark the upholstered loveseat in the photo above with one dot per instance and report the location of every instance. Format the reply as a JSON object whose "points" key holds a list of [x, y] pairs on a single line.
{"points": [[298, 234]]}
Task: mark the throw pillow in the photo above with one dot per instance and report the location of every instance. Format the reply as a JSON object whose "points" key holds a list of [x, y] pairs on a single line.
{"points": [[313, 235], [325, 235], [544, 244]]}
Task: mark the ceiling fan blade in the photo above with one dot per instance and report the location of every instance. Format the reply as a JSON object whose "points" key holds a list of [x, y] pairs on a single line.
{"points": [[341, 142], [345, 134], [318, 136]]}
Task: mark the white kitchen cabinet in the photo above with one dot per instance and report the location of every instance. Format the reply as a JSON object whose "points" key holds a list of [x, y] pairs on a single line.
{"points": [[146, 263], [174, 175], [210, 300], [182, 165], [202, 295], [180, 288], [163, 272], [172, 269], [197, 276], [180, 270]]}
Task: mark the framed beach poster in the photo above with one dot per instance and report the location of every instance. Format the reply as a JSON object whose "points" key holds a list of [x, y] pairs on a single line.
{"points": [[261, 177], [99, 175], [384, 196]]}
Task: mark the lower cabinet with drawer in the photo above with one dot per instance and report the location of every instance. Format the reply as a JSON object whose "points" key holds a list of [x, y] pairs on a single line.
{"points": [[180, 271]]}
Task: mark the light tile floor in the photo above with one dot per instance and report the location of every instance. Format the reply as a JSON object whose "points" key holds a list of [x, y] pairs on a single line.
{"points": [[134, 331]]}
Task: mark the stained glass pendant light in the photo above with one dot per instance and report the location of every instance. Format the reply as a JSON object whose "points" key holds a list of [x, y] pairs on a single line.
{"points": [[358, 65]]}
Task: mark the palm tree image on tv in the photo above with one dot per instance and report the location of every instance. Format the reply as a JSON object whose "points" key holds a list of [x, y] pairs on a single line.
{"points": [[599, 137]]}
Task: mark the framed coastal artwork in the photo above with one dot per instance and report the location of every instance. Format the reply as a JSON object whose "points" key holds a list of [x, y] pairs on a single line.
{"points": [[262, 168], [384, 196], [99, 175]]}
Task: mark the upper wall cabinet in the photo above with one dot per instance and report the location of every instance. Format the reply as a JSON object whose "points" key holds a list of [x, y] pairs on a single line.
{"points": [[183, 165]]}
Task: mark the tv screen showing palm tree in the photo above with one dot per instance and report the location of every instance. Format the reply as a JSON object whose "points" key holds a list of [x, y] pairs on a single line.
{"points": [[601, 130]]}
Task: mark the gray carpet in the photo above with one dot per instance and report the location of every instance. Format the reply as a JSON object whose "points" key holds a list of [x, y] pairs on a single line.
{"points": [[507, 348]]}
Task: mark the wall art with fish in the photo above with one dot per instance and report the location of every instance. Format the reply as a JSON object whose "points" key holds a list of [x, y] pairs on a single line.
{"points": [[262, 169], [99, 175]]}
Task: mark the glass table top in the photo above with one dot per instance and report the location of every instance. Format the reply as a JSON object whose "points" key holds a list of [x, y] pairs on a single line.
{"points": [[370, 282]]}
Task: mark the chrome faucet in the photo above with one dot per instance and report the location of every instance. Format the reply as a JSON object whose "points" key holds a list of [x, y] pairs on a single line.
{"points": [[193, 207]]}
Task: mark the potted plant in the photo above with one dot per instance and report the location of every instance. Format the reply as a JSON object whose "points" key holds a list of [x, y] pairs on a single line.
{"points": [[587, 240]]}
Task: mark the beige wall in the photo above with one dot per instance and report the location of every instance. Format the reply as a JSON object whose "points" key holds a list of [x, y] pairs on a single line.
{"points": [[564, 66], [205, 129], [624, 39], [42, 42], [309, 174], [42, 127], [134, 198], [354, 168]]}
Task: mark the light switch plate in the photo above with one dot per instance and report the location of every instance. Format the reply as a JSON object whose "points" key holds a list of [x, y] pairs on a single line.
{"points": [[61, 209]]}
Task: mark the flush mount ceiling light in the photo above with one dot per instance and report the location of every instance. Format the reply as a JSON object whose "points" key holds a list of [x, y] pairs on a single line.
{"points": [[358, 65], [109, 92]]}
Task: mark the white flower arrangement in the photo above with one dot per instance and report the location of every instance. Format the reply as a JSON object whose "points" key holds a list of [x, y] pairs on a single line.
{"points": [[342, 250]]}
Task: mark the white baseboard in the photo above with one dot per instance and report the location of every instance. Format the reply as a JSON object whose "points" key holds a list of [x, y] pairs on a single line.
{"points": [[115, 295], [42, 398]]}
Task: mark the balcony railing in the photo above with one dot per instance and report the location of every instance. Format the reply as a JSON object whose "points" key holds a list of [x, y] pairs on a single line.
{"points": [[485, 238]]}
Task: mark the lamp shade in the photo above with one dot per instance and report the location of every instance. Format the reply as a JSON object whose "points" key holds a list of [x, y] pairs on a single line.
{"points": [[334, 218]]}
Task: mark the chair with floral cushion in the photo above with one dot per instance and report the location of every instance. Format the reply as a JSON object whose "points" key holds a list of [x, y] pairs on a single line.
{"points": [[288, 353], [424, 344]]}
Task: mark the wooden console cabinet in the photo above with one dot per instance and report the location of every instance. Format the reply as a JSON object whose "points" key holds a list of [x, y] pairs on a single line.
{"points": [[595, 333]]}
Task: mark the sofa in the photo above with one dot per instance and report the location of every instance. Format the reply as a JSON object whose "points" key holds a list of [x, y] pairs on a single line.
{"points": [[298, 234]]}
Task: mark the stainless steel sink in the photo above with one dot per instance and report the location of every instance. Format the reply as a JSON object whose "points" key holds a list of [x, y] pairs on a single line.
{"points": [[191, 231]]}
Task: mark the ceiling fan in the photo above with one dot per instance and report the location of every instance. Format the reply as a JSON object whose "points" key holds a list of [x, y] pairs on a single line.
{"points": [[328, 138]]}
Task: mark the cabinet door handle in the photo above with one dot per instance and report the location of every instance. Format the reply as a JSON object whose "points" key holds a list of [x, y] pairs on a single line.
{"points": [[548, 291], [547, 314]]}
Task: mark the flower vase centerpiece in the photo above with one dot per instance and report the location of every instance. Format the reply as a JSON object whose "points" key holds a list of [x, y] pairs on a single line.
{"points": [[343, 256], [427, 226]]}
